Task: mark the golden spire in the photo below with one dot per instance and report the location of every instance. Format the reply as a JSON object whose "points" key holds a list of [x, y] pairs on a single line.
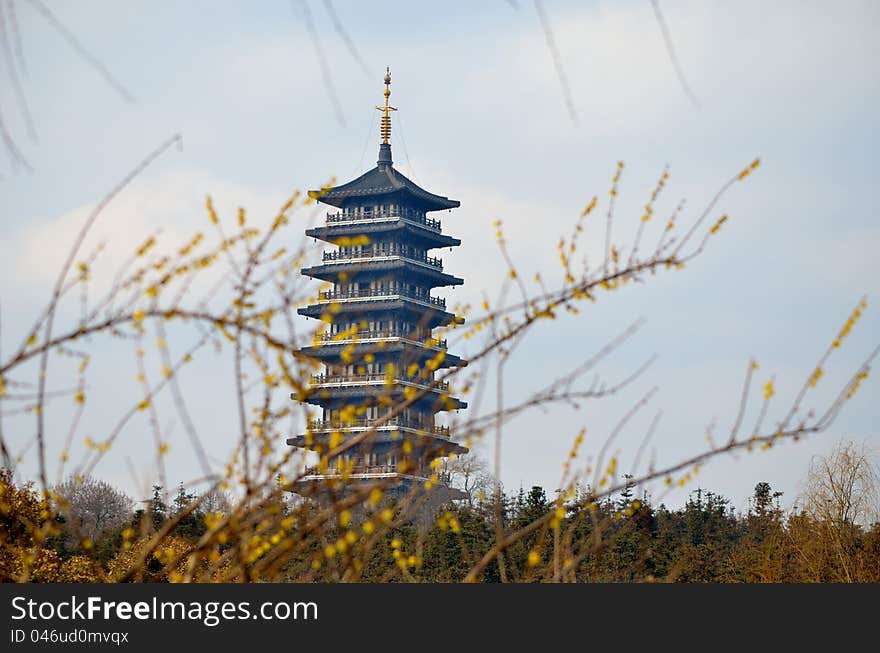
{"points": [[386, 110]]}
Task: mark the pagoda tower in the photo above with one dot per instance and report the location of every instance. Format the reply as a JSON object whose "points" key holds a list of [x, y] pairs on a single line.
{"points": [[378, 351]]}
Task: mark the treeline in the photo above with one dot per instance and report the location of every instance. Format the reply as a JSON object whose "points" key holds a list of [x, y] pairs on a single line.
{"points": [[631, 540], [96, 535]]}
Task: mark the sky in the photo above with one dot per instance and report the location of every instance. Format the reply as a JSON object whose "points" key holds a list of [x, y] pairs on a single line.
{"points": [[483, 119]]}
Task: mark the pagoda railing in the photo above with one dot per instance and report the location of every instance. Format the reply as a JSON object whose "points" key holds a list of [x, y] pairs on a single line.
{"points": [[333, 295], [322, 425], [369, 469], [343, 379], [358, 469], [376, 335], [394, 251], [365, 214]]}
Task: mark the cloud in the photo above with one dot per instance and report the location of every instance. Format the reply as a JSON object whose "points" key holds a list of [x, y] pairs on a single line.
{"points": [[171, 205]]}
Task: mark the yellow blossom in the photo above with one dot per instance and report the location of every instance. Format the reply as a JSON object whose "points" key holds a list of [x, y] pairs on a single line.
{"points": [[344, 518], [589, 208], [747, 171], [212, 215], [717, 225]]}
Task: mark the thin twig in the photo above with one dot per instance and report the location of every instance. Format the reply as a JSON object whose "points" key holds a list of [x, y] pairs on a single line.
{"points": [[670, 49], [81, 50], [349, 44], [326, 76], [557, 62], [9, 56]]}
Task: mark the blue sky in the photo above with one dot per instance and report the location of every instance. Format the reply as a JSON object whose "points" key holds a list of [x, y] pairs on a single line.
{"points": [[483, 120]]}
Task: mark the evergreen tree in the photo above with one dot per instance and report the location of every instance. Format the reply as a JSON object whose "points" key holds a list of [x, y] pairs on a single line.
{"points": [[158, 510]]}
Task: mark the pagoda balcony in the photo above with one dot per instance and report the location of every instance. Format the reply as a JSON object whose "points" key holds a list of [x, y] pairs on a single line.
{"points": [[329, 347], [433, 440], [341, 338], [373, 215], [384, 295], [330, 380], [370, 301], [378, 228], [392, 253], [371, 471], [429, 270], [400, 422]]}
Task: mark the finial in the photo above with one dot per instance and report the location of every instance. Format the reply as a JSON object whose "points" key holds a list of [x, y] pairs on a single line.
{"points": [[386, 110]]}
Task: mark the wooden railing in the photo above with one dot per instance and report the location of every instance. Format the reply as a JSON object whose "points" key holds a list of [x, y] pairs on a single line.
{"points": [[365, 214], [332, 295]]}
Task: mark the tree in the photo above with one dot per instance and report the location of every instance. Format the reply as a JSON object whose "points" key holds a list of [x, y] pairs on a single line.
{"points": [[28, 528], [191, 523], [470, 474], [843, 488], [835, 533], [90, 507], [158, 509], [215, 501]]}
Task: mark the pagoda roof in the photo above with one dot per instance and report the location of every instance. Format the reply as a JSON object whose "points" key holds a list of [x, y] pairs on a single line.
{"points": [[381, 181]]}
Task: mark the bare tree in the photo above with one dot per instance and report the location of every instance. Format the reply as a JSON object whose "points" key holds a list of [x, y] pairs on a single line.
{"points": [[215, 500], [843, 488], [471, 475], [90, 507], [841, 498]]}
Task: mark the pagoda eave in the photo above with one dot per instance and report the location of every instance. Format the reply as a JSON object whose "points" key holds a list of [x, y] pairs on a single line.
{"points": [[429, 315], [331, 351], [372, 395], [331, 271], [387, 184], [435, 445], [416, 231]]}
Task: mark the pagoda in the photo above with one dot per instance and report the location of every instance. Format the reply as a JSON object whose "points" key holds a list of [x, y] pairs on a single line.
{"points": [[378, 352]]}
